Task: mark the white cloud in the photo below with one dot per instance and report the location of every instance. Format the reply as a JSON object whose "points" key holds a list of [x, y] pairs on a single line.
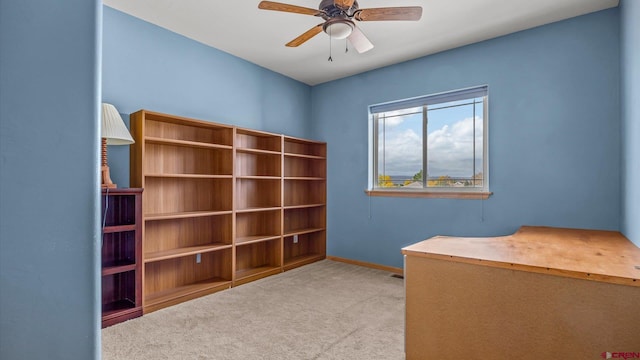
{"points": [[450, 150], [403, 153], [397, 117], [393, 121]]}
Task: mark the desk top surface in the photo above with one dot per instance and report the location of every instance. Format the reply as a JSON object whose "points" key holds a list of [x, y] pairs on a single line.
{"points": [[598, 255]]}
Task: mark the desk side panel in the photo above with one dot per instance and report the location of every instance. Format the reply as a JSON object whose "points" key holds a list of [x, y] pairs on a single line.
{"points": [[459, 311]]}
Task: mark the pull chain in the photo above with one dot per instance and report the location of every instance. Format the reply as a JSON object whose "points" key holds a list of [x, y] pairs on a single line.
{"points": [[330, 59]]}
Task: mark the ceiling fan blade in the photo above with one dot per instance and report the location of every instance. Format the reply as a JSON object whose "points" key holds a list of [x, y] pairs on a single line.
{"points": [[343, 4], [359, 41], [276, 6], [411, 13], [306, 36]]}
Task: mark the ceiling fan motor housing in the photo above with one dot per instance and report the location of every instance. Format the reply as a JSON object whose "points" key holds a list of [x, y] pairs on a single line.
{"points": [[332, 11]]}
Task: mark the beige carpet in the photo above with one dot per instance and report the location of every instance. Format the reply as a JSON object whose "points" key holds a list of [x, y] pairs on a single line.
{"points": [[326, 310]]}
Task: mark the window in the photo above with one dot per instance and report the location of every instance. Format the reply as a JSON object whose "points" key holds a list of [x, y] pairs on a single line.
{"points": [[433, 145]]}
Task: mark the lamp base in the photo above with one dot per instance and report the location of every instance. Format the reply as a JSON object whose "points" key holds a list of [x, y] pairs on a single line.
{"points": [[106, 179]]}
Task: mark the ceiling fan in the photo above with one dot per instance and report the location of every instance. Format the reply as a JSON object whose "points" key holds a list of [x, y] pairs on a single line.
{"points": [[339, 16]]}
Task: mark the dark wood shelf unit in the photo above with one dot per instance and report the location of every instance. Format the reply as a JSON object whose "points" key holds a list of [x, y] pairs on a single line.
{"points": [[121, 255], [118, 307], [115, 268]]}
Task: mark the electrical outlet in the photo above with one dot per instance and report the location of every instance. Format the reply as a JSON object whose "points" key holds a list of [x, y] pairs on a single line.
{"points": [[295, 239], [198, 258]]}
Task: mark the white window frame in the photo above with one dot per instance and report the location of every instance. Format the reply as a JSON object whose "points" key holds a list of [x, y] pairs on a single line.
{"points": [[424, 101]]}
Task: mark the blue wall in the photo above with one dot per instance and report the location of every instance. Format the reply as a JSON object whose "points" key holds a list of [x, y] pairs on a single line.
{"points": [[630, 60], [148, 67], [49, 232], [555, 151], [554, 135]]}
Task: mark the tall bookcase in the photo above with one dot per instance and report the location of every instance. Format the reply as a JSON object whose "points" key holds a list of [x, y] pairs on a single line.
{"points": [[223, 205], [304, 201], [121, 255], [258, 205], [186, 169]]}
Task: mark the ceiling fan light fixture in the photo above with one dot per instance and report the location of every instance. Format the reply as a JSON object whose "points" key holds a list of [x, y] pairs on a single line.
{"points": [[339, 28]]}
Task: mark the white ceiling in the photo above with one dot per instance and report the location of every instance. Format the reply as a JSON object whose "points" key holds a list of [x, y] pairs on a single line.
{"points": [[241, 29]]}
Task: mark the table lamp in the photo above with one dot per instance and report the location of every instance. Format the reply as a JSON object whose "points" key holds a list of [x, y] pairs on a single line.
{"points": [[114, 132]]}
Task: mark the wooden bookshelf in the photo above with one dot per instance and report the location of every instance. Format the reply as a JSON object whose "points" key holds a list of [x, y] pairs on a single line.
{"points": [[258, 205], [304, 202], [223, 205], [121, 255], [186, 168]]}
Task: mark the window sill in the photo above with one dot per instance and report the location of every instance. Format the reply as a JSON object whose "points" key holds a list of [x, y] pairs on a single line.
{"points": [[431, 194]]}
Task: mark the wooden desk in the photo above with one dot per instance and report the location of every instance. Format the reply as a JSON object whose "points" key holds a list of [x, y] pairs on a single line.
{"points": [[541, 293]]}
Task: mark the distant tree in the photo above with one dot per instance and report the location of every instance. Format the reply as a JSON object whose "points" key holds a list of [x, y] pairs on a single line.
{"points": [[418, 176], [385, 181]]}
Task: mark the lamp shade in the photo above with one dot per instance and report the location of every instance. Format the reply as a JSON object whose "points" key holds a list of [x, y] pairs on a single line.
{"points": [[113, 128]]}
